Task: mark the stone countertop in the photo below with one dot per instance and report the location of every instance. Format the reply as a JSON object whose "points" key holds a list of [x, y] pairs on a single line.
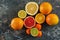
{"points": [[9, 9]]}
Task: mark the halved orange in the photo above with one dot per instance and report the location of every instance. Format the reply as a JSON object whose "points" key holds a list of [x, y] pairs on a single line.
{"points": [[40, 18]]}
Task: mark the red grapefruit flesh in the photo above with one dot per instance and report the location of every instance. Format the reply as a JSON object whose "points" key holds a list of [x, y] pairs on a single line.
{"points": [[29, 22]]}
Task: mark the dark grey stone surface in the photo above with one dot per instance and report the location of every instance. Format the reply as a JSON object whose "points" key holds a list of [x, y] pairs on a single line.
{"points": [[9, 9]]}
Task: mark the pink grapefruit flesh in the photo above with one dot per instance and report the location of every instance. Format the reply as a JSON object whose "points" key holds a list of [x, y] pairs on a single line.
{"points": [[29, 22]]}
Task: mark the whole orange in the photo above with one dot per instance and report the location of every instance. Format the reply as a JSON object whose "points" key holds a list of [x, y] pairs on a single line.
{"points": [[28, 31], [38, 26], [40, 34], [17, 23], [52, 19], [45, 8]]}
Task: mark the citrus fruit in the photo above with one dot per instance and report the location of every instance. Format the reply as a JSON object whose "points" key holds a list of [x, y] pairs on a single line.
{"points": [[28, 31], [45, 8], [22, 14], [34, 32], [40, 34], [29, 22], [40, 18], [31, 8], [52, 19], [38, 26], [17, 23]]}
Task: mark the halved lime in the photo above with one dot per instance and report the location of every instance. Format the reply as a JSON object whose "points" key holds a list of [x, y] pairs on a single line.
{"points": [[34, 32], [22, 14]]}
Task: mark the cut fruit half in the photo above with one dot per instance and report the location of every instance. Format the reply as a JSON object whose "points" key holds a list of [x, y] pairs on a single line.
{"points": [[29, 22], [22, 14], [34, 32], [31, 8], [40, 18]]}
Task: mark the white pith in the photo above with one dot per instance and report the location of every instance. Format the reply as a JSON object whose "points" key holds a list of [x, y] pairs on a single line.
{"points": [[31, 3]]}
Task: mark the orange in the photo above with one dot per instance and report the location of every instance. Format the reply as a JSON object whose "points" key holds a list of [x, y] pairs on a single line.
{"points": [[17, 23], [40, 18], [31, 8], [28, 31], [40, 34], [38, 26], [52, 19], [45, 8]]}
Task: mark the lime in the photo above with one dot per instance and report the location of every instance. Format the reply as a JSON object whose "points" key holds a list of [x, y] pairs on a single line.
{"points": [[34, 32], [22, 14]]}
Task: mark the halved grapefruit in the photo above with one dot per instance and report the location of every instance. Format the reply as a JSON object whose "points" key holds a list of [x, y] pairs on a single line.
{"points": [[31, 8], [29, 22]]}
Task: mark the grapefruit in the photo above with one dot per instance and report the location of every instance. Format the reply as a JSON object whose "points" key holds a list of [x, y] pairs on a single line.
{"points": [[29, 22], [31, 8]]}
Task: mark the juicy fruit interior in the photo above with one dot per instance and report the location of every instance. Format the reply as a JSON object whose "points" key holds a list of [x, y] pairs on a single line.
{"points": [[40, 18], [22, 14], [31, 8], [34, 31], [29, 22]]}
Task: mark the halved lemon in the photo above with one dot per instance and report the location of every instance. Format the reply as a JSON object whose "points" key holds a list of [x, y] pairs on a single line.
{"points": [[31, 8], [22, 14]]}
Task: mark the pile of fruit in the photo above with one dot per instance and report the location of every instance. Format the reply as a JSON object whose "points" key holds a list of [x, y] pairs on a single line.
{"points": [[33, 22]]}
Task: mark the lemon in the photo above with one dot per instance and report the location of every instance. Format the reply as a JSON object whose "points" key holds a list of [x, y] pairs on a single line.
{"points": [[22, 14], [31, 8]]}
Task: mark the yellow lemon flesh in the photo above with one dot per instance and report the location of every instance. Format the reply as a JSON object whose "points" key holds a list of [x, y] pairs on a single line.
{"points": [[22, 14]]}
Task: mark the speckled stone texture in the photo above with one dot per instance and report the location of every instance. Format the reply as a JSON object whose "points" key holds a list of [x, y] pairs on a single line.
{"points": [[9, 9]]}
